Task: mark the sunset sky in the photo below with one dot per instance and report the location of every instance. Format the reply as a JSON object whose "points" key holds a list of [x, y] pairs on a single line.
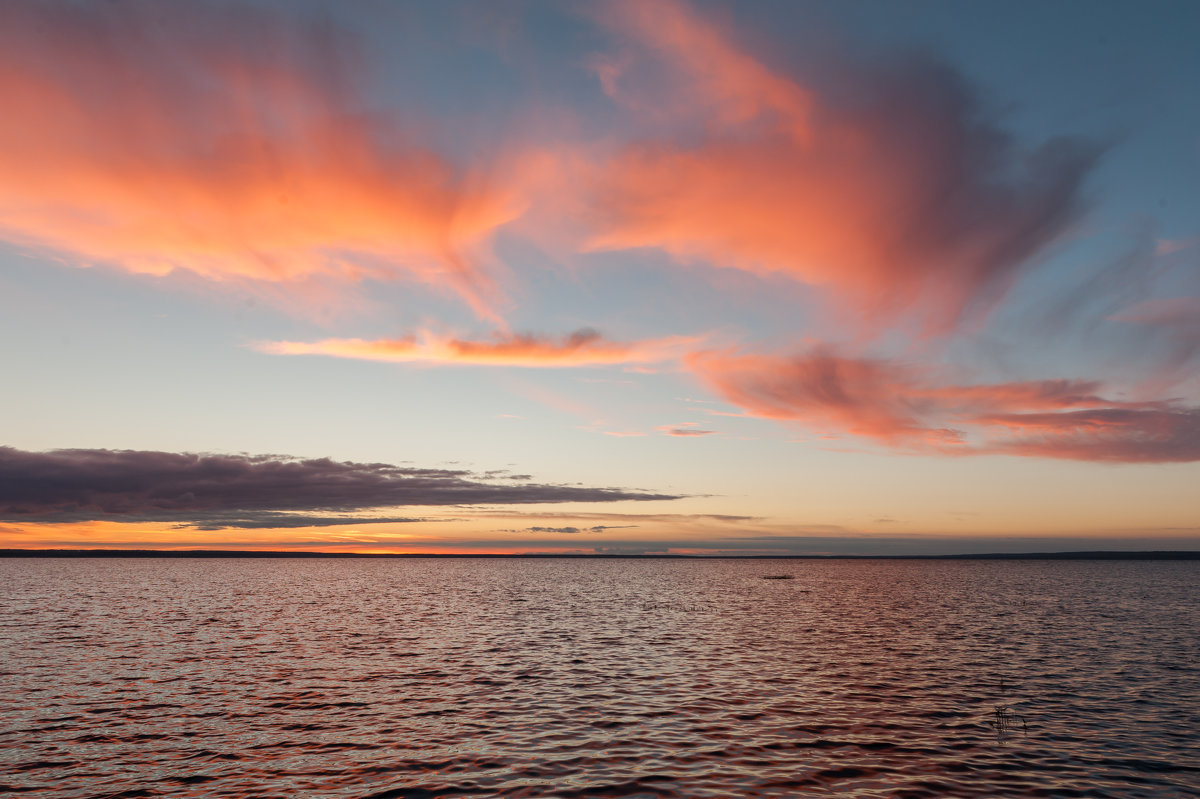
{"points": [[632, 276]]}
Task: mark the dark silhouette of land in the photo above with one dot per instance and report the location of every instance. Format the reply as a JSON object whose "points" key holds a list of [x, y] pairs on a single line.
{"points": [[234, 553]]}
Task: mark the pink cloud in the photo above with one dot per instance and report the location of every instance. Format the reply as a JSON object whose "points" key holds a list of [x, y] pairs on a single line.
{"points": [[904, 198], [1167, 433], [684, 430], [228, 143], [732, 87], [582, 348], [1172, 246], [914, 409]]}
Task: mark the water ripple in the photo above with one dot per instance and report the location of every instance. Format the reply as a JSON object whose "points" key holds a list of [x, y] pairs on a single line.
{"points": [[560, 678]]}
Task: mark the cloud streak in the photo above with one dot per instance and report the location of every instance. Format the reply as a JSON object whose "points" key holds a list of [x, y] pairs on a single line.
{"points": [[685, 430], [227, 142], [582, 348], [277, 520], [244, 490], [1170, 328], [891, 188], [915, 409], [570, 530]]}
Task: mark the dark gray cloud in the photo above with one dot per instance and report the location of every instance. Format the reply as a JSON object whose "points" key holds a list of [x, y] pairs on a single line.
{"points": [[245, 490], [275, 520], [721, 518], [630, 550], [505, 474], [597, 529]]}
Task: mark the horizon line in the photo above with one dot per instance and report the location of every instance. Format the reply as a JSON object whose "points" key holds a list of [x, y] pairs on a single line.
{"points": [[1160, 554]]}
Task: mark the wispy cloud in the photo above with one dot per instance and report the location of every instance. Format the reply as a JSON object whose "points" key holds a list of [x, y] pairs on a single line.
{"points": [[915, 409], [897, 192], [244, 490], [1161, 433], [1172, 246], [599, 528], [684, 430], [639, 518], [1170, 328], [582, 348], [279, 520], [229, 142]]}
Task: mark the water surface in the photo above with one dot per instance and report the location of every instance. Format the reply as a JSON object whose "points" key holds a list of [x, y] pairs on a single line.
{"points": [[569, 678]]}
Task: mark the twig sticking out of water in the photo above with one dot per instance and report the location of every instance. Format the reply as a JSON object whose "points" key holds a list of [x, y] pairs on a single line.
{"points": [[1003, 720], [779, 577]]}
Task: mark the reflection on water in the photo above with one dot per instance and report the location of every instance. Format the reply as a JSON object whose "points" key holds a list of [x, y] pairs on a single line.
{"points": [[568, 678]]}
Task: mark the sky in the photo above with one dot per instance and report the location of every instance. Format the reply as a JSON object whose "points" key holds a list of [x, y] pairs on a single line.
{"points": [[621, 277]]}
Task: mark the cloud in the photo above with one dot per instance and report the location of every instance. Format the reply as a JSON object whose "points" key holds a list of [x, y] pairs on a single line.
{"points": [[625, 551], [890, 186], [277, 520], [1172, 246], [641, 518], [1114, 434], [571, 530], [684, 430], [1170, 334], [237, 490], [227, 142], [733, 88], [1180, 312], [915, 409], [584, 347]]}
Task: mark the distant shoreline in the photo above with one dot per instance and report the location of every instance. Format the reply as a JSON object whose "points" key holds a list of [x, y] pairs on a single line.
{"points": [[233, 553]]}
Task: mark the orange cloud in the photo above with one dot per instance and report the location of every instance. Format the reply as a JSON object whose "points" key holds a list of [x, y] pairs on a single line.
{"points": [[683, 430], [732, 86], [582, 348], [895, 193], [227, 143], [911, 409]]}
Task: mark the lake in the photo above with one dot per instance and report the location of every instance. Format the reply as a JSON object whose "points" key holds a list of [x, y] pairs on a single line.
{"points": [[599, 678]]}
